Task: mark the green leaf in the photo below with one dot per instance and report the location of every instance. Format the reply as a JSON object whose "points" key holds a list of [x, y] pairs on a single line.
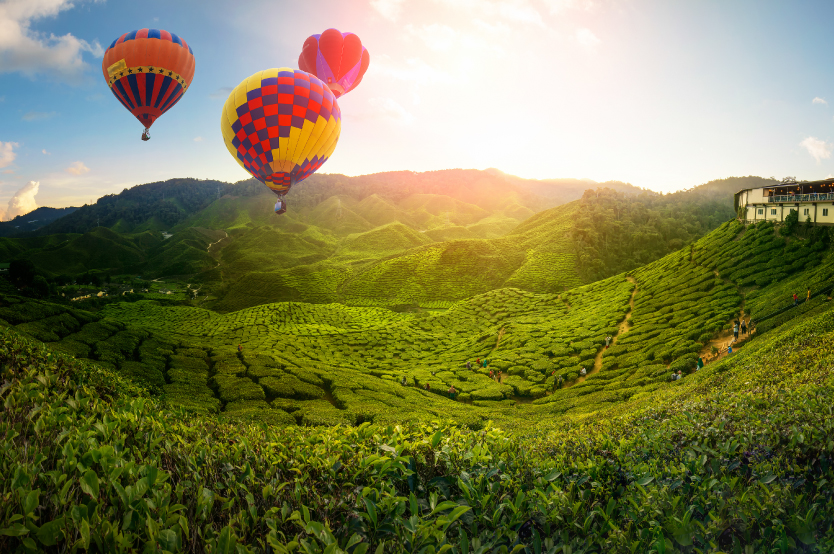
{"points": [[49, 533], [645, 480], [168, 540], [31, 501], [15, 530], [361, 548], [89, 483], [767, 479], [85, 533], [226, 541], [371, 510], [435, 440], [445, 505]]}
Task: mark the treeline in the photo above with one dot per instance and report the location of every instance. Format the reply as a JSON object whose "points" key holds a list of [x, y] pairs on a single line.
{"points": [[169, 202], [616, 232]]}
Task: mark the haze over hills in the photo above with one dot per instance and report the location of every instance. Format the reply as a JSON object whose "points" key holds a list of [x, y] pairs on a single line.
{"points": [[390, 239], [33, 220]]}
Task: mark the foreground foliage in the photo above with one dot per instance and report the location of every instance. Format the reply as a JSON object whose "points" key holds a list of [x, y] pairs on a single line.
{"points": [[89, 463]]}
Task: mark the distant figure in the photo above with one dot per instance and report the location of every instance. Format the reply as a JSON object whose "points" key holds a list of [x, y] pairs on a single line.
{"points": [[404, 381], [560, 381], [674, 376], [794, 299], [478, 362], [730, 349], [607, 341], [700, 363], [491, 374], [809, 295], [485, 362], [469, 365], [280, 205], [735, 330], [452, 392], [582, 372], [499, 375], [743, 327], [428, 387], [679, 374], [239, 348]]}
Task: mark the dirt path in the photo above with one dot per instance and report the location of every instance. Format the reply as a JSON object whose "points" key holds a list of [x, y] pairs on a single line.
{"points": [[208, 248], [623, 328], [722, 341]]}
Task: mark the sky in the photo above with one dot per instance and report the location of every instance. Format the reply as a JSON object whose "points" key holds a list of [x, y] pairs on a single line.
{"points": [[662, 94]]}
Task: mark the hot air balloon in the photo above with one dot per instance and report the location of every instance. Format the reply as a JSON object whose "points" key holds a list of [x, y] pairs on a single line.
{"points": [[281, 125], [148, 71], [338, 59]]}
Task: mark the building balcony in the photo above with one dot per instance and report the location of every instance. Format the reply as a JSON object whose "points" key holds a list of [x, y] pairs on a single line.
{"points": [[816, 197]]}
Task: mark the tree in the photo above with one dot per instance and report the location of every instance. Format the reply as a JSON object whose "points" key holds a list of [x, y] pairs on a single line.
{"points": [[40, 287], [791, 221], [22, 272]]}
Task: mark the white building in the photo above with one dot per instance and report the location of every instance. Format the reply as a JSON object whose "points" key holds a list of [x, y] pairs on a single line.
{"points": [[814, 199]]}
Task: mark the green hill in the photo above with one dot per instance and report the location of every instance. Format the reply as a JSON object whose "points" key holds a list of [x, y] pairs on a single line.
{"points": [[157, 403]]}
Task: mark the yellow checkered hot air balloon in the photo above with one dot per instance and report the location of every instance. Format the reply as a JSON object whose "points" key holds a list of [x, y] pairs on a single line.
{"points": [[281, 125]]}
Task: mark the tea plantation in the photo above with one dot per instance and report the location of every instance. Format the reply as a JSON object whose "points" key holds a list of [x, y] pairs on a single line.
{"points": [[299, 427]]}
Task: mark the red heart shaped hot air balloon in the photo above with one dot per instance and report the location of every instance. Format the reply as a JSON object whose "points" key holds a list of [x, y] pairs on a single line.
{"points": [[338, 59]]}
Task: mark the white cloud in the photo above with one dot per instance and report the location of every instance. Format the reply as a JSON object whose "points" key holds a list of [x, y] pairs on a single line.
{"points": [[819, 149], [45, 152], [519, 11], [198, 139], [78, 168], [414, 69], [7, 153], [22, 202], [586, 37], [437, 36], [818, 100], [557, 6], [30, 52], [38, 116], [389, 9], [389, 109]]}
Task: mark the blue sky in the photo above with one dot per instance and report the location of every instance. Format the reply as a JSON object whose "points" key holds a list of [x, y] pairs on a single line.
{"points": [[665, 95]]}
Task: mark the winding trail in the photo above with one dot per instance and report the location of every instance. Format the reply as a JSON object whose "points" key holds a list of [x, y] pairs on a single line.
{"points": [[621, 330]]}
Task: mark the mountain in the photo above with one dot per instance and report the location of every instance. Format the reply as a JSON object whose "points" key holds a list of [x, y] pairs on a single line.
{"points": [[32, 221]]}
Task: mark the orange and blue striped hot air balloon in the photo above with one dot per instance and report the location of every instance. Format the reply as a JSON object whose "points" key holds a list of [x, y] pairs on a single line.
{"points": [[148, 71], [281, 125]]}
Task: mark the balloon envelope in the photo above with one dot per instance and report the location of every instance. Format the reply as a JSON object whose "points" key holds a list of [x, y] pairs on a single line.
{"points": [[338, 59], [281, 125], [148, 71]]}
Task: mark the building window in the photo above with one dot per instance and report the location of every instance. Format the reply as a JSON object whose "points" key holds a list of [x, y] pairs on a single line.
{"points": [[773, 211], [824, 212], [805, 211], [761, 211]]}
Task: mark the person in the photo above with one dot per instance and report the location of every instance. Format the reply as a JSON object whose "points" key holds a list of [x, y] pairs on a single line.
{"points": [[679, 374], [794, 299], [239, 348], [735, 330], [452, 392], [468, 365], [730, 349], [485, 363], [428, 387], [499, 375], [404, 380], [743, 327], [700, 364], [491, 374], [478, 362], [607, 341], [560, 381], [582, 372], [807, 298]]}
